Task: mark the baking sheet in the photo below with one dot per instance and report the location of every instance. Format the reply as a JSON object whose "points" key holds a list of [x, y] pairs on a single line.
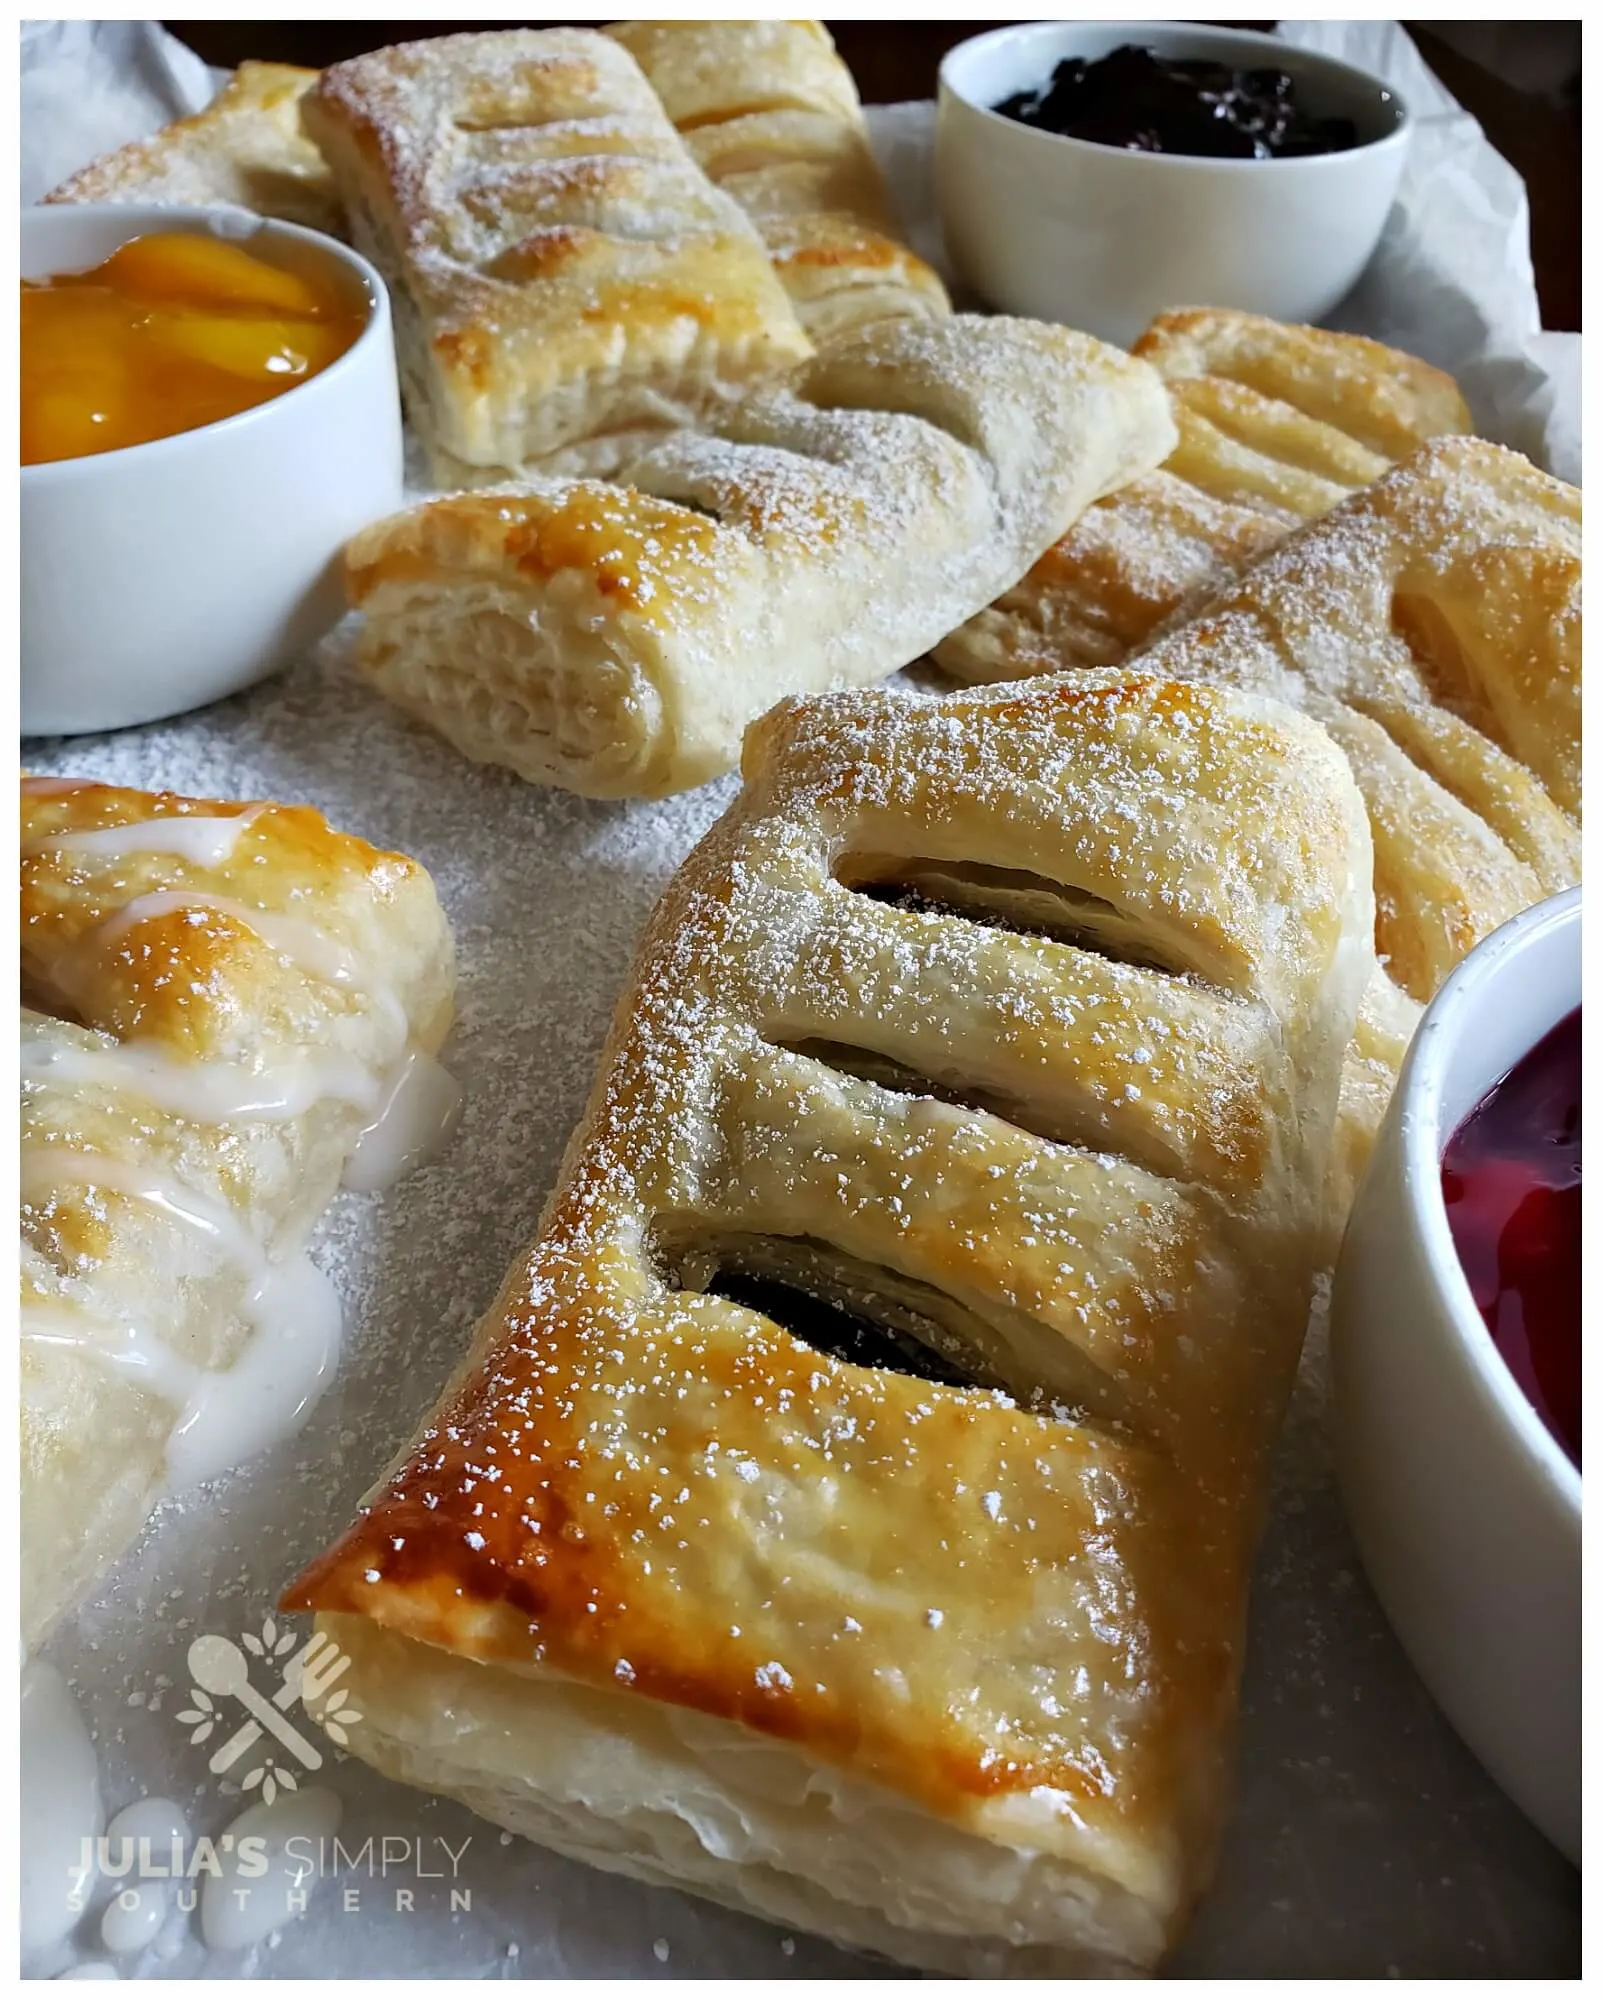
{"points": [[1365, 1840]]}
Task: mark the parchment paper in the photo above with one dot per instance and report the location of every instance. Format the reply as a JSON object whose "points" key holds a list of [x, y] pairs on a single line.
{"points": [[1364, 1841]]}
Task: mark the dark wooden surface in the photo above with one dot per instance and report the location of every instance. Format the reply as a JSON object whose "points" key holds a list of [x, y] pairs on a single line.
{"points": [[1540, 135]]}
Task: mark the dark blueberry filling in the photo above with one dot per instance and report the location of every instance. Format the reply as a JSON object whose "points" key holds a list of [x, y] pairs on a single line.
{"points": [[1145, 103]]}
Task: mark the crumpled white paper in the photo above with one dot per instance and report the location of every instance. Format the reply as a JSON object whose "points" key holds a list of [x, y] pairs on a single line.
{"points": [[1364, 1839]]}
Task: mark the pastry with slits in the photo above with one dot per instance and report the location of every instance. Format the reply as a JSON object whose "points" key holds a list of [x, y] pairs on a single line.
{"points": [[246, 148], [772, 115], [1432, 625], [1006, 1032], [223, 1004], [617, 639], [1276, 425], [566, 281]]}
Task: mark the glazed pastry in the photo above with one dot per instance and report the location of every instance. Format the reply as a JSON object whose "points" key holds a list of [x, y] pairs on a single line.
{"points": [[772, 116], [1277, 424], [220, 1001], [846, 1509], [1432, 624], [565, 278], [617, 639], [246, 148]]}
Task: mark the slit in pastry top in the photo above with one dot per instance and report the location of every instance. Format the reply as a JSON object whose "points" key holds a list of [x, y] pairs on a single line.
{"points": [[1009, 1604]]}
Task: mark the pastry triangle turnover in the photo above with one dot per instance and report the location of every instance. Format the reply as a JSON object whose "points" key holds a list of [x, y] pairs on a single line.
{"points": [[616, 640], [1432, 624], [218, 1000], [845, 1511], [772, 116], [1277, 424]]}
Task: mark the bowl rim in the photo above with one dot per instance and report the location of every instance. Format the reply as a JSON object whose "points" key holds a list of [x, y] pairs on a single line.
{"points": [[242, 226], [1418, 1108], [1244, 39]]}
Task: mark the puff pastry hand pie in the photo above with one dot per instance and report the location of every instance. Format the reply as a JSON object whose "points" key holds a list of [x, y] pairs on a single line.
{"points": [[1276, 425], [1432, 624], [246, 148], [564, 277], [617, 639], [991, 1045], [219, 1001], [772, 115]]}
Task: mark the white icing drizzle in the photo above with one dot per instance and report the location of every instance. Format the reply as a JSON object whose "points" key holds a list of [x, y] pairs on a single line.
{"points": [[239, 1908], [301, 942], [204, 839], [419, 1105], [211, 1093], [227, 1414], [60, 1810], [153, 1833]]}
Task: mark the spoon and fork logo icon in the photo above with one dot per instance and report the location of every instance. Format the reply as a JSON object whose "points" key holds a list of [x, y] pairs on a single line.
{"points": [[308, 1678]]}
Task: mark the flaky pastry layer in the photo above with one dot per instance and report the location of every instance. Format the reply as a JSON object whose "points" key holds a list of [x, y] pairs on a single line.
{"points": [[561, 270], [1277, 424], [616, 639], [246, 148], [771, 114], [1005, 1032]]}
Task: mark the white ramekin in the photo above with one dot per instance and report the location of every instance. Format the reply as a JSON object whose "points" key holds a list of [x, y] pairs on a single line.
{"points": [[1466, 1509], [171, 573], [1094, 237]]}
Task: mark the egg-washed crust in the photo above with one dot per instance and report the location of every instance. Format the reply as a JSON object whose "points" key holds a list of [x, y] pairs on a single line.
{"points": [[975, 1109], [771, 114], [562, 271], [1277, 424], [246, 148], [1432, 623], [616, 639]]}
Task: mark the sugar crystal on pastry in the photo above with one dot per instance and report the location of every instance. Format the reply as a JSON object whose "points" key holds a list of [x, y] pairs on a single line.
{"points": [[657, 1645]]}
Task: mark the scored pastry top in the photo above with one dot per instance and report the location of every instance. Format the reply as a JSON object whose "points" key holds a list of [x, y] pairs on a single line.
{"points": [[1011, 1025], [1277, 424], [618, 638], [1432, 624], [564, 269], [771, 114]]}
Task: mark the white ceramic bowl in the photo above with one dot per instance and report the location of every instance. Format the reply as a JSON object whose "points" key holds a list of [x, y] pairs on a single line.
{"points": [[1097, 238], [1466, 1509], [172, 573]]}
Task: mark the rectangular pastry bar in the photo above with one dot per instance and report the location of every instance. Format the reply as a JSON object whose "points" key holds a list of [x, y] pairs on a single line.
{"points": [[219, 1000], [246, 148], [771, 114], [1277, 424], [1432, 624], [617, 639], [563, 275], [846, 1510]]}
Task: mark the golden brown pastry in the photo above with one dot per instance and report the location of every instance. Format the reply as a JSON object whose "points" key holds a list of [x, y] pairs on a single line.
{"points": [[846, 1509], [565, 278], [1276, 425], [1432, 624], [246, 147], [617, 639], [225, 1007], [772, 116]]}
